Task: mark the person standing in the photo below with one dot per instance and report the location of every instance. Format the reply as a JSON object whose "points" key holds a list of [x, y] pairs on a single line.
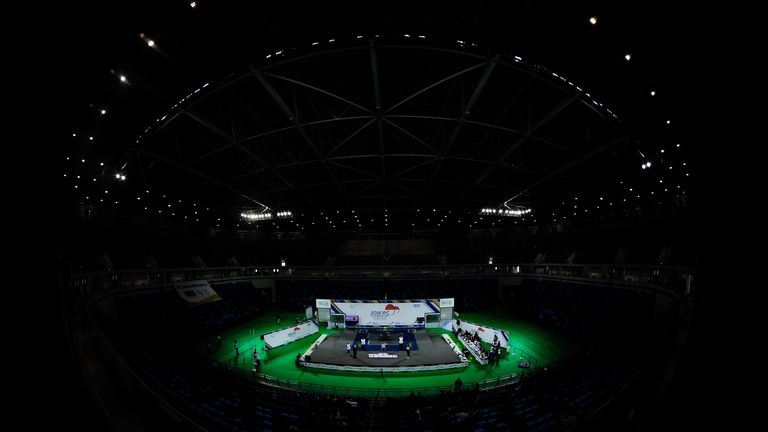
{"points": [[349, 348], [400, 341], [354, 350], [408, 350], [383, 347]]}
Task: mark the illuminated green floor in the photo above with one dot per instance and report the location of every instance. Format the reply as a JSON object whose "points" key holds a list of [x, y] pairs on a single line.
{"points": [[544, 345]]}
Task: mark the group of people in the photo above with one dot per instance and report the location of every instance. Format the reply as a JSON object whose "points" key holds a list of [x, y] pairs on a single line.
{"points": [[468, 335], [352, 347], [493, 355], [215, 346]]}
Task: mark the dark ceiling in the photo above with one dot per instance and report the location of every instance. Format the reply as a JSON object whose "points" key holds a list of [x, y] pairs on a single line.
{"points": [[386, 109]]}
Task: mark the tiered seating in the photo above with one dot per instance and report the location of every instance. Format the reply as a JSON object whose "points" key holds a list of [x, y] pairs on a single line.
{"points": [[222, 400], [579, 309]]}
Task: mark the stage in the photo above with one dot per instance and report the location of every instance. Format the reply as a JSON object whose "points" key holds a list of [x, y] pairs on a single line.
{"points": [[433, 354]]}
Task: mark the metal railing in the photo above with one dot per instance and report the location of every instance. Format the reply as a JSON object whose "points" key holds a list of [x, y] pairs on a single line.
{"points": [[669, 280], [516, 354], [373, 393]]}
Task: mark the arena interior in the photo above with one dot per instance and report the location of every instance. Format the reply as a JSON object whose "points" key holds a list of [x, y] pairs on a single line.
{"points": [[375, 216]]}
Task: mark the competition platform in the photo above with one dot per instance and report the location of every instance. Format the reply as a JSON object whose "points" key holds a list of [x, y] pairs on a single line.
{"points": [[376, 327]]}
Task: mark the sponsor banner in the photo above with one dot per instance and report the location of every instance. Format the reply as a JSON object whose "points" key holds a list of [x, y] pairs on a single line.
{"points": [[446, 302], [324, 315], [384, 313], [382, 355], [323, 303], [486, 333], [196, 293], [289, 334]]}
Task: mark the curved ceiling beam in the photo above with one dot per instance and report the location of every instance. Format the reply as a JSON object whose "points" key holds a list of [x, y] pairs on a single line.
{"points": [[299, 128], [265, 166], [544, 120], [490, 65], [435, 84], [412, 136], [350, 136], [319, 90], [312, 123], [473, 123], [198, 174], [377, 98], [569, 166]]}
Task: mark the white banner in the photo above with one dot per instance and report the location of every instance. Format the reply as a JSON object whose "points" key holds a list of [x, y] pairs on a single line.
{"points": [[486, 333], [386, 314], [289, 334], [446, 302], [196, 293], [323, 303]]}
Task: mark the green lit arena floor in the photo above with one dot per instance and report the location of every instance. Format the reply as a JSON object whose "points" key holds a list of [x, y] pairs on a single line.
{"points": [[545, 346]]}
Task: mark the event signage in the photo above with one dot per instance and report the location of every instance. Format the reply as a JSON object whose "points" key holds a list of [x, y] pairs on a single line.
{"points": [[289, 334], [386, 314], [486, 333], [196, 293]]}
